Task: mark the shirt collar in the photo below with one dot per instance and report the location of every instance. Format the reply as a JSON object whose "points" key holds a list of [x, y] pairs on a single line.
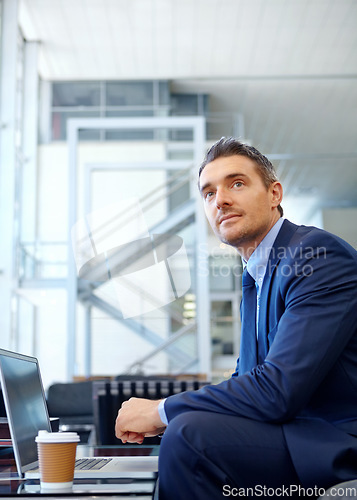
{"points": [[257, 262]]}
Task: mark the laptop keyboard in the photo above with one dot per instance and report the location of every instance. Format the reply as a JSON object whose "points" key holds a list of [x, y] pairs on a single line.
{"points": [[91, 463]]}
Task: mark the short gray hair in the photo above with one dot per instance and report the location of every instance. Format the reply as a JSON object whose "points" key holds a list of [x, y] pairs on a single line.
{"points": [[229, 146]]}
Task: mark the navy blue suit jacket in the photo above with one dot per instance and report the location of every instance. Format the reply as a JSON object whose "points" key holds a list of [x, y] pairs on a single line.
{"points": [[306, 379]]}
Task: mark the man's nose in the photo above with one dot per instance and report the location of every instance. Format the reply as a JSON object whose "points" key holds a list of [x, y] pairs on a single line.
{"points": [[223, 198]]}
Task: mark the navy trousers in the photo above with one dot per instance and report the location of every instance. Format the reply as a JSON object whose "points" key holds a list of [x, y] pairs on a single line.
{"points": [[208, 456]]}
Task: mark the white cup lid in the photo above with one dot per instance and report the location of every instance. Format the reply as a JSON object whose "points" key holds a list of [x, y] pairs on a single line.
{"points": [[57, 437]]}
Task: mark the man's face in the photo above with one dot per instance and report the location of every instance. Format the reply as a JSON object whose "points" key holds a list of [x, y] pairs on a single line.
{"points": [[239, 208]]}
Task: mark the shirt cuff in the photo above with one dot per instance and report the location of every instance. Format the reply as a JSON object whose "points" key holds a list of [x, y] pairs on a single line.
{"points": [[162, 412]]}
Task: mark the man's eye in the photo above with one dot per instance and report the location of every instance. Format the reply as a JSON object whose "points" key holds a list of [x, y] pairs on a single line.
{"points": [[208, 195], [238, 183]]}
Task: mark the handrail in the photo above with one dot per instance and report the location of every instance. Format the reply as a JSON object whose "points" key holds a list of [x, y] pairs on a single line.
{"points": [[126, 255], [140, 329], [144, 201]]}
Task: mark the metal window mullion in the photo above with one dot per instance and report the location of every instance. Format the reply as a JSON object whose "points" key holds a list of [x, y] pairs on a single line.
{"points": [[102, 108]]}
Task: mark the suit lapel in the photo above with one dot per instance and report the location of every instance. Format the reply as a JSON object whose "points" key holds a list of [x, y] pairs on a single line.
{"points": [[278, 250]]}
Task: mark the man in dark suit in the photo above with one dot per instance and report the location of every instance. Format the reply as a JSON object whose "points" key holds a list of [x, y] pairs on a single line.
{"points": [[285, 423]]}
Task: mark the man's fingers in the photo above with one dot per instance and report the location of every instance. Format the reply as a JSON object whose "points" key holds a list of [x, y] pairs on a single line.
{"points": [[131, 437], [134, 437], [123, 437], [120, 433]]}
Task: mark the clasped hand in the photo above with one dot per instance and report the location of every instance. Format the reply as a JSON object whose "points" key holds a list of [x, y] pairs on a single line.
{"points": [[138, 418]]}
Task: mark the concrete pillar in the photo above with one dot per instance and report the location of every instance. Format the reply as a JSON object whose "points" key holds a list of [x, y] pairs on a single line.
{"points": [[8, 112]]}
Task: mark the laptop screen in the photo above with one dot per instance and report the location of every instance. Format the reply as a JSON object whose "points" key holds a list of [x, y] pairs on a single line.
{"points": [[25, 405]]}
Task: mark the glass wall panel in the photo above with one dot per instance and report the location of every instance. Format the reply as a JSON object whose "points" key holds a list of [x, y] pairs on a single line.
{"points": [[121, 99], [225, 272], [122, 113], [129, 93], [129, 135], [76, 94], [222, 327], [164, 93], [184, 104], [179, 182], [124, 135], [181, 135], [59, 124], [187, 105]]}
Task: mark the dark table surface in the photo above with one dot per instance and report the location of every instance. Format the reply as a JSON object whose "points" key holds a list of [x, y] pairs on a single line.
{"points": [[11, 485]]}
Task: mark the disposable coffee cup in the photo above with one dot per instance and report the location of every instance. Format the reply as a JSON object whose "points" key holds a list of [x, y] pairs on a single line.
{"points": [[56, 455]]}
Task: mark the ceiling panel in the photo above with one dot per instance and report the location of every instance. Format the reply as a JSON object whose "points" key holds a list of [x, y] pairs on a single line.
{"points": [[191, 38]]}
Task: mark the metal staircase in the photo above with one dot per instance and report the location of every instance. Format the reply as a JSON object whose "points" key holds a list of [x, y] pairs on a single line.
{"points": [[97, 272]]}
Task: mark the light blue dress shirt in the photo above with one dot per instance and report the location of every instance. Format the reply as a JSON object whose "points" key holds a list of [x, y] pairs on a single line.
{"points": [[257, 262], [256, 266]]}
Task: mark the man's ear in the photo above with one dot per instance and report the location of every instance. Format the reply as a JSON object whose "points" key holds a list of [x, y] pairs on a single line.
{"points": [[276, 190]]}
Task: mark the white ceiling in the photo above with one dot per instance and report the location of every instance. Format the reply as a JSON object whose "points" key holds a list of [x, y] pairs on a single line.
{"points": [[171, 39], [289, 66]]}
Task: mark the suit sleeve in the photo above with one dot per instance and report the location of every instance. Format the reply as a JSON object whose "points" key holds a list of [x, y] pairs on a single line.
{"points": [[318, 290]]}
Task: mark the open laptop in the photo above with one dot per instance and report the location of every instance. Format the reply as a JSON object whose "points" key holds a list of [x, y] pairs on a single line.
{"points": [[26, 410]]}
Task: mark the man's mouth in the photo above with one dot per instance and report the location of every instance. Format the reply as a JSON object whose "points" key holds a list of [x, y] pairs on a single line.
{"points": [[227, 217]]}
